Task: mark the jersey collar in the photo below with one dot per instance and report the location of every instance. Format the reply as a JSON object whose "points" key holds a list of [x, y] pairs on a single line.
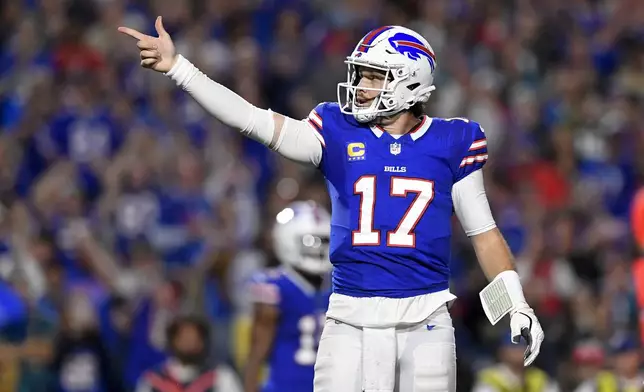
{"points": [[419, 130], [299, 280]]}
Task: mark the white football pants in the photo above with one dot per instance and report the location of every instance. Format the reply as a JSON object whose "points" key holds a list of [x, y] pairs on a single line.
{"points": [[425, 356]]}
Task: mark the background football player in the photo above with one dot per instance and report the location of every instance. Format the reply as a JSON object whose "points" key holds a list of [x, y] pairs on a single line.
{"points": [[290, 302], [388, 326]]}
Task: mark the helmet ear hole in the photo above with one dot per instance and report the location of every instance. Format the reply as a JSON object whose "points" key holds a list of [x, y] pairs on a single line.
{"points": [[413, 86]]}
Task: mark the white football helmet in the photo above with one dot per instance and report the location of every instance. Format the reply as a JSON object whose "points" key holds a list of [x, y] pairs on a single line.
{"points": [[408, 62], [301, 237]]}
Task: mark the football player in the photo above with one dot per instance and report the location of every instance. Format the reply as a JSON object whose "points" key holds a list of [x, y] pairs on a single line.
{"points": [[395, 176], [290, 302]]}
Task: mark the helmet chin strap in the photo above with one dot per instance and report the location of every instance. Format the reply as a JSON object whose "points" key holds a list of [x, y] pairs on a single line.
{"points": [[378, 117], [378, 120]]}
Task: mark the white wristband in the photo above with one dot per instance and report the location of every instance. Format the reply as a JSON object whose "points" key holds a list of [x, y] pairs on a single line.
{"points": [[502, 295]]}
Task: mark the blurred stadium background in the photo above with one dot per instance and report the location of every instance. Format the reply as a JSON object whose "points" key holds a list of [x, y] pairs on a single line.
{"points": [[124, 204]]}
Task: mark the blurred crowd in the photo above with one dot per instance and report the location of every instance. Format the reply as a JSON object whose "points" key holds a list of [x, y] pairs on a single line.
{"points": [[123, 204]]}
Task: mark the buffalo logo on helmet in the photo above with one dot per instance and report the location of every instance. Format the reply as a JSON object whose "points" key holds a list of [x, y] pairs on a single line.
{"points": [[411, 47]]}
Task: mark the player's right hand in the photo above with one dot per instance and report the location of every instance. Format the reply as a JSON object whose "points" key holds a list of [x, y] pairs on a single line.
{"points": [[157, 53]]}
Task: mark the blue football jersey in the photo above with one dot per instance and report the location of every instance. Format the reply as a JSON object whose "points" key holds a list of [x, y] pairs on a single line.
{"points": [[392, 200], [301, 318]]}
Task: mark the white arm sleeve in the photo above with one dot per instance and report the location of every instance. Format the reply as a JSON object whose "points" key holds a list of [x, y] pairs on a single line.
{"points": [[299, 142], [296, 139], [471, 205]]}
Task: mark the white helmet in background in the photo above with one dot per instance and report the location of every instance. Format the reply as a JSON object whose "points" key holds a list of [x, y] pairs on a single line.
{"points": [[301, 237], [408, 62]]}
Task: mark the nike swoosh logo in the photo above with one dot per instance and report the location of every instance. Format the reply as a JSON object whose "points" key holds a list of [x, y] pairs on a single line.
{"points": [[430, 327]]}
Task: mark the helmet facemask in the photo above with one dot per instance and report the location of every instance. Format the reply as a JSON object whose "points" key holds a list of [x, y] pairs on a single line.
{"points": [[384, 104]]}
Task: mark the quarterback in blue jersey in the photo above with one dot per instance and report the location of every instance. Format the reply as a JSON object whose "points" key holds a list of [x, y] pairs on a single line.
{"points": [[395, 177], [290, 302]]}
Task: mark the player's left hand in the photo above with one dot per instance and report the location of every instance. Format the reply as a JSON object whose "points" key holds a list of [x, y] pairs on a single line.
{"points": [[524, 324]]}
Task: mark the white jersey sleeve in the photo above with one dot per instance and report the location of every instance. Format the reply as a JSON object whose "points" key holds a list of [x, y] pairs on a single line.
{"points": [[295, 140], [471, 205]]}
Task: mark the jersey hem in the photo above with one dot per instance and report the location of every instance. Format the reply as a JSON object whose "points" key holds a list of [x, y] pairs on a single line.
{"points": [[357, 293]]}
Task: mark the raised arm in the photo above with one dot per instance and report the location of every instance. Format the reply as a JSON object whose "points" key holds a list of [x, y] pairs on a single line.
{"points": [[290, 138]]}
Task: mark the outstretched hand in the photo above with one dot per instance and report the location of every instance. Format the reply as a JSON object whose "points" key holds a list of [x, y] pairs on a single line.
{"points": [[157, 53]]}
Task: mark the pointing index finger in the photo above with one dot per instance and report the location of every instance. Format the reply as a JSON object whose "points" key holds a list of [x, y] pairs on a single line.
{"points": [[132, 33]]}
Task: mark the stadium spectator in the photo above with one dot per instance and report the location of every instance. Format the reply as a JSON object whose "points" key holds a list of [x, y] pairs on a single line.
{"points": [[188, 367]]}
